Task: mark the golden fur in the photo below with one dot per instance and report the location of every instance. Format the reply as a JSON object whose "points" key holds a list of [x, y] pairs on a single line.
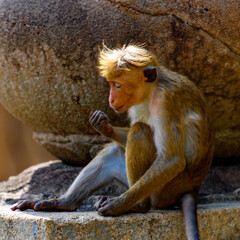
{"points": [[112, 63]]}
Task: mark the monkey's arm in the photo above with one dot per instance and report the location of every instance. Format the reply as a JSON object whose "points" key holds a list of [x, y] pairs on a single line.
{"points": [[120, 135], [100, 123], [155, 178]]}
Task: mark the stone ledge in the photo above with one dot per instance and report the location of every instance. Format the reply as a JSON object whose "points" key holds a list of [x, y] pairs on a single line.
{"points": [[216, 221]]}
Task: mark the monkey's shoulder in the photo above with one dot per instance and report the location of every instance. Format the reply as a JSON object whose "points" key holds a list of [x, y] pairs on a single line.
{"points": [[175, 82], [177, 90]]}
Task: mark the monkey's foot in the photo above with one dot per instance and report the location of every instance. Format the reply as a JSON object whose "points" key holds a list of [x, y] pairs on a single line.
{"points": [[44, 205]]}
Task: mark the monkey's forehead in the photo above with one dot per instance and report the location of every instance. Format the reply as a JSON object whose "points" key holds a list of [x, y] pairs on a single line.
{"points": [[131, 76]]}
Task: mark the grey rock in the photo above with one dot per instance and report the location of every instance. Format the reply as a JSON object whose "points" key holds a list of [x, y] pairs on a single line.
{"points": [[216, 221], [48, 58], [51, 179], [218, 214]]}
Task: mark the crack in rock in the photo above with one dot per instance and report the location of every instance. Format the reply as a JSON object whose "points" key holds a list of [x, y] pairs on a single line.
{"points": [[116, 2]]}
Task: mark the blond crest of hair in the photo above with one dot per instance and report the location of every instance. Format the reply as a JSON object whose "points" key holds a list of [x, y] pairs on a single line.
{"points": [[113, 62]]}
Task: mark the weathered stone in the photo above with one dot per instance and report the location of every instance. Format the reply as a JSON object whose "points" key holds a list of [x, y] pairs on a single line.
{"points": [[52, 179], [48, 52], [222, 179], [216, 221], [69, 148]]}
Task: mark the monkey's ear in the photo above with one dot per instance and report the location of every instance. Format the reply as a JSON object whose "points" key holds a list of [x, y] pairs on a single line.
{"points": [[150, 73]]}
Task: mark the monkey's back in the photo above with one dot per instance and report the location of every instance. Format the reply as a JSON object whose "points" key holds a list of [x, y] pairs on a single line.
{"points": [[186, 108]]}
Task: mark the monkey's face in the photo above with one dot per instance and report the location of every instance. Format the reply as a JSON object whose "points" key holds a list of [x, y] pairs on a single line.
{"points": [[128, 89]]}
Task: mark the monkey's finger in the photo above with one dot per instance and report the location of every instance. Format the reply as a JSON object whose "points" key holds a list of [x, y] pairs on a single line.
{"points": [[104, 211], [101, 211], [101, 118], [98, 120], [98, 115], [103, 115], [99, 201], [46, 205], [105, 202], [24, 205], [93, 115], [14, 207], [103, 199]]}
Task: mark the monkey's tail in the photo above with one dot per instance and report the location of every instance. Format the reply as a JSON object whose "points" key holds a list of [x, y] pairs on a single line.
{"points": [[189, 209]]}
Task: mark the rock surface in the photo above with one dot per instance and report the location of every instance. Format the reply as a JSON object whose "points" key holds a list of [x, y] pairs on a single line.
{"points": [[218, 210], [52, 179], [49, 180], [48, 52], [216, 221]]}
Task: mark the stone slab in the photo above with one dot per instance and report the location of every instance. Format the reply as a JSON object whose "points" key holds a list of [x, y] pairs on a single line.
{"points": [[216, 221]]}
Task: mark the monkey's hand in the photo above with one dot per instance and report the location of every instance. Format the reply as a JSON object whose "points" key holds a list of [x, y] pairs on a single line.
{"points": [[100, 123], [109, 206], [44, 205]]}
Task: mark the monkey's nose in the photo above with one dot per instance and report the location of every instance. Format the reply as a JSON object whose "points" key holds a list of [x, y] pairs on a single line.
{"points": [[111, 100]]}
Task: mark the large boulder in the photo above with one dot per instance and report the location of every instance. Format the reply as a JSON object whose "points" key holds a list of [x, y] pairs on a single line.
{"points": [[48, 57]]}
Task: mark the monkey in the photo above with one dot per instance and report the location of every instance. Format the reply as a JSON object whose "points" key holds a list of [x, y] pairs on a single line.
{"points": [[163, 156]]}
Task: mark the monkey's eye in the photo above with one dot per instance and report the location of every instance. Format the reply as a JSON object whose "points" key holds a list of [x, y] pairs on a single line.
{"points": [[117, 85]]}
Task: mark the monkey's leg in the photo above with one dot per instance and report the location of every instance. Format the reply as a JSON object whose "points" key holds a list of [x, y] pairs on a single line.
{"points": [[140, 154], [107, 165]]}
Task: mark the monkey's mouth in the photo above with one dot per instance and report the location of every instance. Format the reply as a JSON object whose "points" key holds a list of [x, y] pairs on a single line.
{"points": [[119, 108]]}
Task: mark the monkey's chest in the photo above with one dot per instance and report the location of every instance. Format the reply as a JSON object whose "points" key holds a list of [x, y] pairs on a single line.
{"points": [[140, 113]]}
